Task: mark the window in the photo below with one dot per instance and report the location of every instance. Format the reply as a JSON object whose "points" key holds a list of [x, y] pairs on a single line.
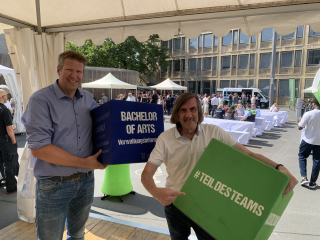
{"points": [[214, 63], [207, 64], [198, 86], [225, 63], [193, 43], [177, 44], [233, 83], [226, 40], [206, 87], [183, 43], [199, 64], [265, 59], [213, 86], [252, 61], [267, 35], [176, 65], [243, 38], [253, 39], [235, 37], [251, 83], [234, 62], [170, 45], [276, 64], [207, 40], [224, 83], [300, 31], [242, 83], [313, 57], [192, 65], [290, 36], [183, 65], [297, 59], [164, 44], [312, 33], [243, 61], [216, 41], [192, 86], [200, 41], [286, 59], [284, 88], [170, 67], [264, 86], [307, 85]]}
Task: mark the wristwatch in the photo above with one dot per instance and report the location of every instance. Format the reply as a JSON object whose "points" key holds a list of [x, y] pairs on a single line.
{"points": [[277, 167]]}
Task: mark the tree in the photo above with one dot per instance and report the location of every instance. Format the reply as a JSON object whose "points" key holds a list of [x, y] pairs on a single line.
{"points": [[146, 57]]}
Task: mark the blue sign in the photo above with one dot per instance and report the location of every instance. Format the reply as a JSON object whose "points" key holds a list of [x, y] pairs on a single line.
{"points": [[126, 132]]}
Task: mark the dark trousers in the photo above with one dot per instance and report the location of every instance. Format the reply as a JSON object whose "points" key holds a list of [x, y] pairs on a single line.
{"points": [[9, 168], [179, 225], [304, 153], [214, 107], [169, 109]]}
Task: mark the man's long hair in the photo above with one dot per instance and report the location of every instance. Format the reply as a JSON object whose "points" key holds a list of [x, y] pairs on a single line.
{"points": [[182, 99]]}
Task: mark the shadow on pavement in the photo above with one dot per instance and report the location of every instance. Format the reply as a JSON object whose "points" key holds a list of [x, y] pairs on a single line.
{"points": [[258, 144], [132, 204]]}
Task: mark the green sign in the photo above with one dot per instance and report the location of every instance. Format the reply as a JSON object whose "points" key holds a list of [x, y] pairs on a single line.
{"points": [[292, 91], [232, 195]]}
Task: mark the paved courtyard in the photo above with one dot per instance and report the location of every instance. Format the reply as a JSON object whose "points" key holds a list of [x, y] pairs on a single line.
{"points": [[299, 222]]}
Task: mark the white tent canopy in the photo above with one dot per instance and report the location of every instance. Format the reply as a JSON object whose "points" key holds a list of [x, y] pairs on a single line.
{"points": [[118, 19], [109, 81], [168, 85], [11, 81], [307, 90]]}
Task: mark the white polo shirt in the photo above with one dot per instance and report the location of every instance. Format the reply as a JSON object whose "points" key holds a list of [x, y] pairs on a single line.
{"points": [[311, 121], [180, 154]]}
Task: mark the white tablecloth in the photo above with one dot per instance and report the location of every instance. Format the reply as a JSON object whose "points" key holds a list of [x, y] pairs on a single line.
{"points": [[231, 125], [283, 116], [241, 137], [259, 125], [276, 117]]}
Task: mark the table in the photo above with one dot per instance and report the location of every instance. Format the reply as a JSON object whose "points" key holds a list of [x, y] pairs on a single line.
{"points": [[276, 117], [231, 125]]}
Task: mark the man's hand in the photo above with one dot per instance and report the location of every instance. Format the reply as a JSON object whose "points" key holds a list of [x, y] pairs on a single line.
{"points": [[93, 162], [292, 180], [14, 142], [166, 196]]}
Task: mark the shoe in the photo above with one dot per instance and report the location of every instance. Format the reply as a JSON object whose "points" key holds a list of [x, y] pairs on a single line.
{"points": [[312, 185], [12, 191], [304, 181]]}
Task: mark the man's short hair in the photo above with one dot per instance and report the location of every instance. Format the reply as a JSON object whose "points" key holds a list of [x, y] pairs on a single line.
{"points": [[182, 99], [103, 94], [71, 55], [315, 101], [248, 105], [5, 88]]}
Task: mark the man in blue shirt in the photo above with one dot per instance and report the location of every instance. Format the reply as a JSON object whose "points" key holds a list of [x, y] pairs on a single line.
{"points": [[59, 128], [249, 115], [254, 107]]}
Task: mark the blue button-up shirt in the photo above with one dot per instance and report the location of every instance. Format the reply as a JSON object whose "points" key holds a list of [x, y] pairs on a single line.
{"points": [[257, 112], [53, 118], [247, 114]]}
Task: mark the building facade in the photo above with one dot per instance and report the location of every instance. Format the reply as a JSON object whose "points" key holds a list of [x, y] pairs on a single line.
{"points": [[208, 62]]}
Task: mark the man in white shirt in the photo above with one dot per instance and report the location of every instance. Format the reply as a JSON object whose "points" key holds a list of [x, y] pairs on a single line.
{"points": [[310, 142], [214, 103], [180, 148], [130, 98], [221, 99]]}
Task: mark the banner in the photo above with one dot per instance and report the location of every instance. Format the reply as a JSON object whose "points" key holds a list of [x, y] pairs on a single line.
{"points": [[292, 91], [232, 195], [126, 132]]}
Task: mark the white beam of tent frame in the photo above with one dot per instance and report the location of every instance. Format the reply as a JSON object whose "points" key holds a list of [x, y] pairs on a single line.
{"points": [[254, 11]]}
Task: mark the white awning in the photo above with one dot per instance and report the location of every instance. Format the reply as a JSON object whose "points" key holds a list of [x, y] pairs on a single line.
{"points": [[109, 81], [168, 85], [307, 90], [118, 19]]}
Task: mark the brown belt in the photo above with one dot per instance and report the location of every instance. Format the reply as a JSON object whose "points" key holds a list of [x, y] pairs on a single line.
{"points": [[74, 177]]}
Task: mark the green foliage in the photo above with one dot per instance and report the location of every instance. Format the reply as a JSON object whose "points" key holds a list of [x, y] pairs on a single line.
{"points": [[146, 57]]}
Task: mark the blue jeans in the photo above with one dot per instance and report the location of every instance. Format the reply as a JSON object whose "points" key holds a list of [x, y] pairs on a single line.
{"points": [[63, 203], [214, 107], [179, 225], [304, 153]]}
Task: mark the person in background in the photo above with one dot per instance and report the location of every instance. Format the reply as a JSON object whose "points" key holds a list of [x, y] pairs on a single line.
{"points": [[205, 104], [249, 115], [274, 108], [154, 98], [244, 99], [220, 112], [104, 98], [134, 97], [214, 103], [131, 98], [310, 142], [225, 108], [235, 98], [231, 112], [240, 110], [161, 102], [139, 97], [258, 99], [221, 100], [125, 96], [168, 104], [253, 99], [230, 97], [254, 107]]}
